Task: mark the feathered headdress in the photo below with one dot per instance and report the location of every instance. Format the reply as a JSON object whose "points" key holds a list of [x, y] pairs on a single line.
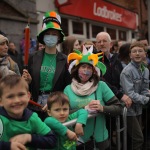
{"points": [[87, 57]]}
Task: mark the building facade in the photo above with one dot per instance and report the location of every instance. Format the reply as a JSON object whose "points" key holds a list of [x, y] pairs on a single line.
{"points": [[14, 17], [122, 19]]}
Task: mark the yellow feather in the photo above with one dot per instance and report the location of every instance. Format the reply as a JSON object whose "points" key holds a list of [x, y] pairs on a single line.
{"points": [[73, 56], [100, 53], [93, 57]]}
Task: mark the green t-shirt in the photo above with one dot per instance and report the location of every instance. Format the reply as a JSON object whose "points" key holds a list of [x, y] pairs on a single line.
{"points": [[9, 127], [47, 72], [98, 125], [61, 130]]}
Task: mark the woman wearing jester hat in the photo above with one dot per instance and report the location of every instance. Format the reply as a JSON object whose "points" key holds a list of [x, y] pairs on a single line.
{"points": [[86, 91], [48, 67]]}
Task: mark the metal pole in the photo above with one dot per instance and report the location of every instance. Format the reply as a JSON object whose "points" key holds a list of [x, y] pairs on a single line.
{"points": [[118, 129], [125, 129], [72, 122], [118, 132]]}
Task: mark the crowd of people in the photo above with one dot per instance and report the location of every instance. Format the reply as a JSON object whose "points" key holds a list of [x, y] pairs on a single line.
{"points": [[101, 77]]}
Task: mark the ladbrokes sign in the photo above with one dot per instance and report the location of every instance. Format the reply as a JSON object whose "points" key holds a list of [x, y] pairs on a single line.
{"points": [[100, 11], [104, 12]]}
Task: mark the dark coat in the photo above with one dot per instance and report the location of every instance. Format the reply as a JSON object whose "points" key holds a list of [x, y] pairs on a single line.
{"points": [[114, 69], [16, 57], [61, 78], [112, 75]]}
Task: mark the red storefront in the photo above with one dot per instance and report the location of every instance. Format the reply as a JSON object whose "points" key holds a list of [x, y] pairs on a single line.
{"points": [[85, 18]]}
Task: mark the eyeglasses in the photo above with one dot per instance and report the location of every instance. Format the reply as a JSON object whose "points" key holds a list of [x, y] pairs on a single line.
{"points": [[102, 41], [137, 51]]}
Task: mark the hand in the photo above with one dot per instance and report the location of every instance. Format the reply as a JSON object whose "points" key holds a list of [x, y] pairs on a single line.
{"points": [[17, 146], [21, 138], [90, 111], [26, 76], [44, 108], [79, 129], [127, 100], [71, 135], [95, 105]]}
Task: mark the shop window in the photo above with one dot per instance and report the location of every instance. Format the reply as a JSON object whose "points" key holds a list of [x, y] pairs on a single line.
{"points": [[64, 25], [87, 31], [77, 28], [122, 35], [112, 33], [96, 30]]}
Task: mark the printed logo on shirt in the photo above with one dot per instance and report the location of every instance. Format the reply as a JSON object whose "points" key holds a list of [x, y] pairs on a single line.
{"points": [[47, 69], [81, 102]]}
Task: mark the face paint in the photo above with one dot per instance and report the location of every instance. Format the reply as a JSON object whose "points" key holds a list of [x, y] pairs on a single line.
{"points": [[84, 75]]}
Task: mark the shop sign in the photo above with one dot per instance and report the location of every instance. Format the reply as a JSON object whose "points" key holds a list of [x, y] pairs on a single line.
{"points": [[101, 11], [60, 3]]}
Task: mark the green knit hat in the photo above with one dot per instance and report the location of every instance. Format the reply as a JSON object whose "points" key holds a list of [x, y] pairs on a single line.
{"points": [[51, 20]]}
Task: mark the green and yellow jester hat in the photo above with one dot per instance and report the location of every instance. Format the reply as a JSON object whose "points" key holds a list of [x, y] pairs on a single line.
{"points": [[87, 57]]}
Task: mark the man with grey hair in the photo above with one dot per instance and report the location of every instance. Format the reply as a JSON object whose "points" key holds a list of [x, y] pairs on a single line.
{"points": [[114, 68], [113, 64]]}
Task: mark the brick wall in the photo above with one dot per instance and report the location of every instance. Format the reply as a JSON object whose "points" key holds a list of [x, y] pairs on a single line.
{"points": [[137, 6]]}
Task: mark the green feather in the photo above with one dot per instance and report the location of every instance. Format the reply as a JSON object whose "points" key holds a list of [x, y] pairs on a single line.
{"points": [[100, 57], [77, 51], [102, 67]]}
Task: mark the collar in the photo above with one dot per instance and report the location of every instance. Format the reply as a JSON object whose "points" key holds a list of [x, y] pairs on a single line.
{"points": [[140, 66], [26, 114]]}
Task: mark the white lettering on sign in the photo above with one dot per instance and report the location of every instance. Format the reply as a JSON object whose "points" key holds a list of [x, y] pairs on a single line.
{"points": [[105, 13]]}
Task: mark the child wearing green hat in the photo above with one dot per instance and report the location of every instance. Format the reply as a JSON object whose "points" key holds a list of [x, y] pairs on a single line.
{"points": [[86, 91], [48, 67]]}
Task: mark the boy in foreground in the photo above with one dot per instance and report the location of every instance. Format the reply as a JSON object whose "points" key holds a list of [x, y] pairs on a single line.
{"points": [[19, 127], [58, 111]]}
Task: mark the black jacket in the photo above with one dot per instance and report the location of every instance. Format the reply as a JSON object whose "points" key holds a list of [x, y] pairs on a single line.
{"points": [[114, 68], [112, 75], [61, 78]]}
